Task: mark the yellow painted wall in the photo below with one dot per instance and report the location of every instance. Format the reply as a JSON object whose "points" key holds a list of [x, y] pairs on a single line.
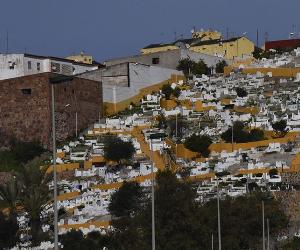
{"points": [[199, 107], [63, 167], [158, 49], [168, 104], [277, 72], [239, 48], [183, 152]]}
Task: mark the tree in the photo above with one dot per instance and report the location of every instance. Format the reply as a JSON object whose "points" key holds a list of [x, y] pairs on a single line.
{"points": [[117, 150], [8, 231], [186, 65], [280, 127], [167, 91], [26, 151], [176, 92], [200, 68], [127, 201], [199, 144], [273, 172], [34, 196], [220, 66], [241, 92], [240, 134], [10, 194], [256, 135], [175, 210], [241, 230]]}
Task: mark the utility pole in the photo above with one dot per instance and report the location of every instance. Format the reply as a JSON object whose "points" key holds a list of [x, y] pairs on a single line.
{"points": [[232, 136], [152, 195], [263, 224], [212, 241], [268, 237], [54, 172], [219, 219]]}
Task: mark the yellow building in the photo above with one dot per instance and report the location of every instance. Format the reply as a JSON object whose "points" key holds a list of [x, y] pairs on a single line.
{"points": [[211, 43], [83, 58], [152, 48], [234, 48]]}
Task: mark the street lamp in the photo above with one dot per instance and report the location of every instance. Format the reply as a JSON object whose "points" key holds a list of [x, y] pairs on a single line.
{"points": [[54, 171], [152, 195], [219, 219]]}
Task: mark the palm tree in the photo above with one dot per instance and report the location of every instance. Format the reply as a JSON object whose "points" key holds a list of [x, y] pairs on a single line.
{"points": [[34, 195], [10, 194]]}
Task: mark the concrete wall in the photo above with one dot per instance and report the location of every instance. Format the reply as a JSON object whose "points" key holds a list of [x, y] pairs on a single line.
{"points": [[26, 114], [167, 59], [11, 59], [141, 76]]}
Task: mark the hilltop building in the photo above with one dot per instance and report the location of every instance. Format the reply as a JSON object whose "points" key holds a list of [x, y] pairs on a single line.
{"points": [[83, 58], [210, 43], [18, 65], [288, 44], [166, 59]]}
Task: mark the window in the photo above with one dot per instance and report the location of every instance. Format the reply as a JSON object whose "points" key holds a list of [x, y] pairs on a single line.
{"points": [[11, 65], [155, 60], [29, 64], [38, 66], [26, 91]]}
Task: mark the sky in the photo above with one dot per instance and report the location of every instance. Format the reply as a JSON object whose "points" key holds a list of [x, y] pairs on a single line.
{"points": [[114, 28]]}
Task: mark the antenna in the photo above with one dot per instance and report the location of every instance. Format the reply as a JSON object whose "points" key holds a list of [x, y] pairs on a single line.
{"points": [[257, 38], [266, 36], [6, 41]]}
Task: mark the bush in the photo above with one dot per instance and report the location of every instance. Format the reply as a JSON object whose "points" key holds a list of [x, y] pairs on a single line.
{"points": [[240, 134], [280, 127], [117, 150], [199, 144], [241, 92], [220, 66]]}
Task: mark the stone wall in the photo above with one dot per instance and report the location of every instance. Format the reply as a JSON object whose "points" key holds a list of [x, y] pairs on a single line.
{"points": [[25, 106]]}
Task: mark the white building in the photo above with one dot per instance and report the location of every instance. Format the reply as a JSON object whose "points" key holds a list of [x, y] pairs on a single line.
{"points": [[17, 65]]}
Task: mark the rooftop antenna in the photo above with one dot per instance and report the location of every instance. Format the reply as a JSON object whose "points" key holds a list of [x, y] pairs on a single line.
{"points": [[266, 36], [6, 41], [257, 38]]}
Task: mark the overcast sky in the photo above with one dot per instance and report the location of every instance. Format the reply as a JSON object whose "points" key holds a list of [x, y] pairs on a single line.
{"points": [[115, 28]]}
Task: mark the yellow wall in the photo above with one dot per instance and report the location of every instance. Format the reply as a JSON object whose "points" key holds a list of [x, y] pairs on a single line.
{"points": [[230, 50], [277, 72], [207, 35], [168, 104], [158, 49]]}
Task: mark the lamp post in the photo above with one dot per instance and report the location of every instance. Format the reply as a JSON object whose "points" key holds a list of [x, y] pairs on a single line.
{"points": [[152, 195], [263, 223], [54, 172], [219, 219]]}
